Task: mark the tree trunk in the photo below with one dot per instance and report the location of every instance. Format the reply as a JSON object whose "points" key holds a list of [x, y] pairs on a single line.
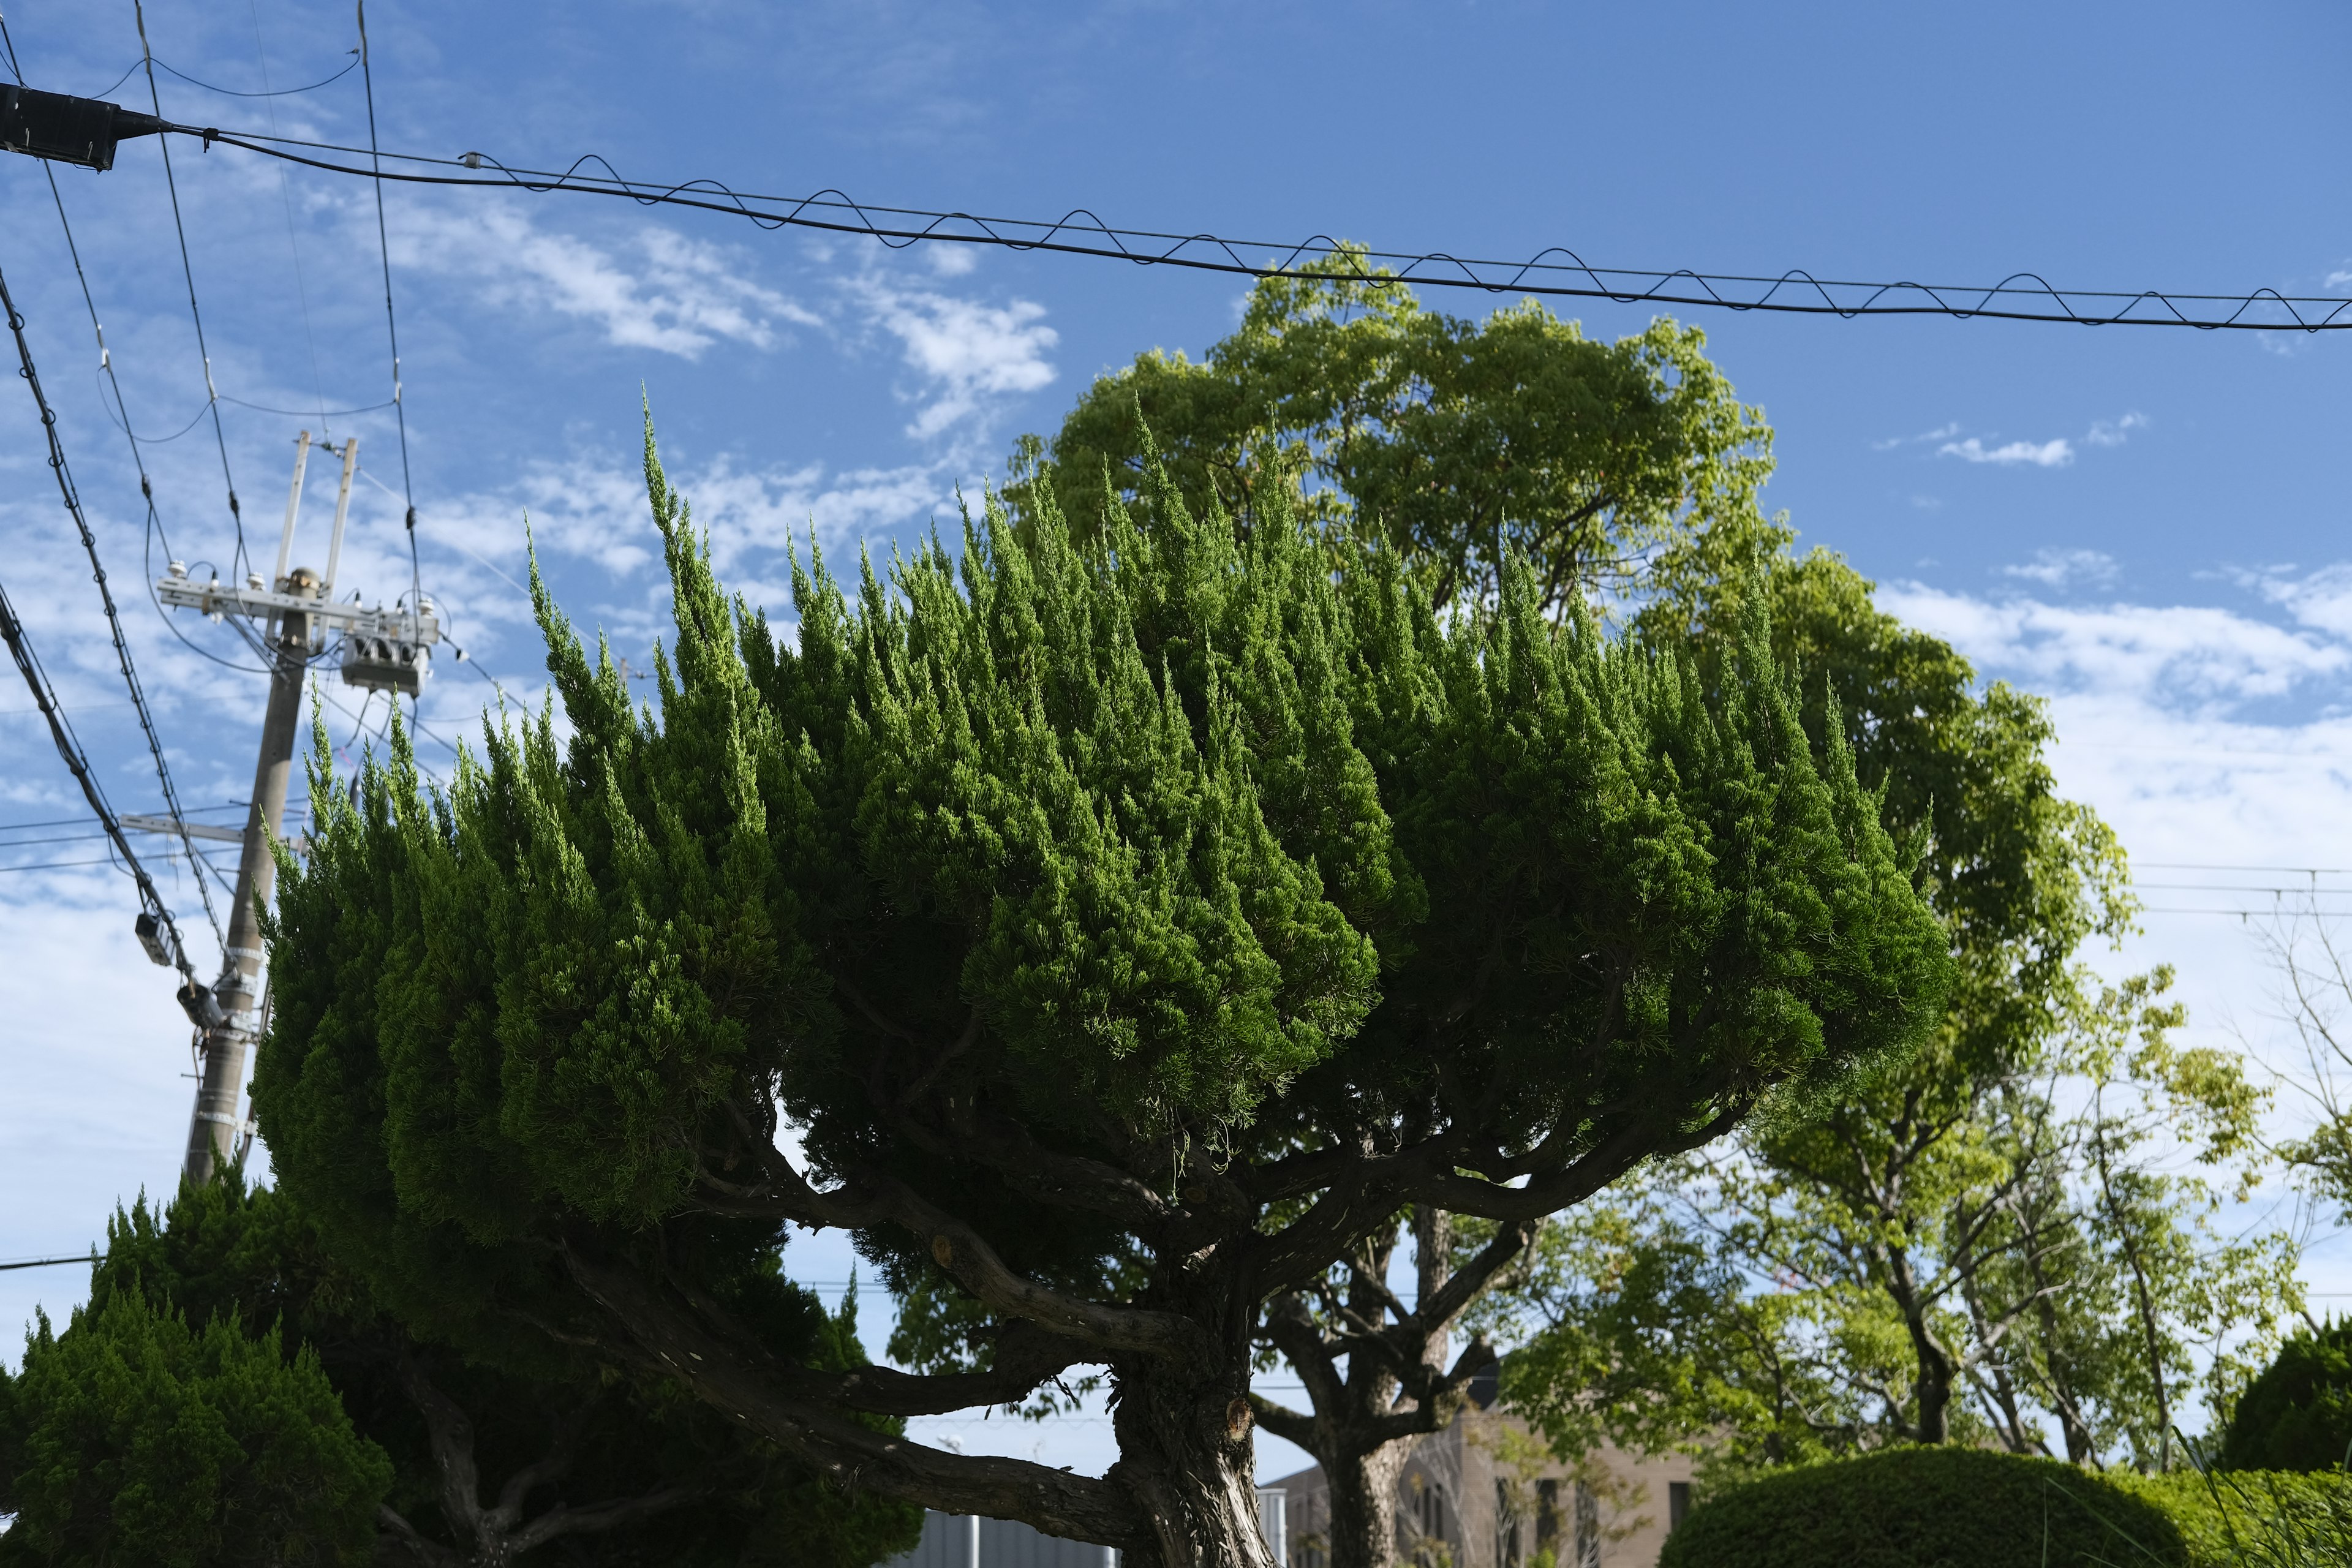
{"points": [[1186, 1454], [1363, 1497], [1936, 1367]]}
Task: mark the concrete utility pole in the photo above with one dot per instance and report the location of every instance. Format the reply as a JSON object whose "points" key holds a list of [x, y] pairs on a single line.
{"points": [[385, 652]]}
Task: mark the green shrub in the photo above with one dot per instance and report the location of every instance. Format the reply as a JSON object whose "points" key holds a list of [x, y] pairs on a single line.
{"points": [[2298, 1414], [2256, 1518], [1929, 1508], [132, 1438]]}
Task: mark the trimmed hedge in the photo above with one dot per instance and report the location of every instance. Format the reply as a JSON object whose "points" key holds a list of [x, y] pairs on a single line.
{"points": [[1929, 1508], [2297, 1416], [2256, 1518]]}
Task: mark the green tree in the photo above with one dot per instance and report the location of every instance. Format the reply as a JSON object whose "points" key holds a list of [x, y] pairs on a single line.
{"points": [[559, 1460], [1980, 1230], [2297, 1415], [1614, 472], [1456, 443], [1127, 928], [133, 1438]]}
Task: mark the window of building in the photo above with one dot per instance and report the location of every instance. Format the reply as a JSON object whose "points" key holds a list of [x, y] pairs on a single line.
{"points": [[1547, 1514], [1507, 1524], [1678, 1503]]}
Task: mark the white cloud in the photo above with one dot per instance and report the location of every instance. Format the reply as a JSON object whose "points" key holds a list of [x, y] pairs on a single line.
{"points": [[967, 353], [2340, 278], [1941, 432], [2058, 567], [675, 295], [2194, 659], [2322, 600], [952, 260], [2116, 432], [2055, 454]]}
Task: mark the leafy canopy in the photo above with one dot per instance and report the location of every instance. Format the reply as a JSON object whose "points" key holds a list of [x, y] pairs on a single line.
{"points": [[1128, 925]]}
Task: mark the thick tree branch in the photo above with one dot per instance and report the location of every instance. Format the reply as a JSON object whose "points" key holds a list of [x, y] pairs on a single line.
{"points": [[670, 1339]]}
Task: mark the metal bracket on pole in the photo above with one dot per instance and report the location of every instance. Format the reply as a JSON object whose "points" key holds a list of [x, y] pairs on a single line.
{"points": [[293, 509], [343, 508]]}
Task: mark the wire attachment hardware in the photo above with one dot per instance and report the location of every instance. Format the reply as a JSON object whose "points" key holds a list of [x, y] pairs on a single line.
{"points": [[67, 130]]}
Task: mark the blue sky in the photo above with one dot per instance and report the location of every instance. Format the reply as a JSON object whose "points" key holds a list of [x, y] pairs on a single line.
{"points": [[2146, 525]]}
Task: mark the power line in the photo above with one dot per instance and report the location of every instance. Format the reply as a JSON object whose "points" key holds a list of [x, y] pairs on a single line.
{"points": [[2020, 297], [29, 664], [171, 183], [89, 541], [391, 326], [232, 92]]}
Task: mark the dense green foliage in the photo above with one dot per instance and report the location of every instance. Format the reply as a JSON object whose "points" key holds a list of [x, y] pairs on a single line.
{"points": [[2254, 1519], [133, 1438], [1130, 925], [1927, 1508], [625, 1473], [2297, 1415], [1453, 443], [1982, 1243]]}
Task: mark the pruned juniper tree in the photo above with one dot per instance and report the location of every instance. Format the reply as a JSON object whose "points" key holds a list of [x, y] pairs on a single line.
{"points": [[1115, 935], [1619, 475]]}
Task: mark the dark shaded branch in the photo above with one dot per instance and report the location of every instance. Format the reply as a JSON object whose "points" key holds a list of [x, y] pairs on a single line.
{"points": [[665, 1336]]}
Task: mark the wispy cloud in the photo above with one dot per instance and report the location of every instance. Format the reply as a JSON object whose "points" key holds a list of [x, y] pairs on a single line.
{"points": [[2054, 453], [1941, 432], [968, 353], [662, 291], [2115, 432], [2057, 568]]}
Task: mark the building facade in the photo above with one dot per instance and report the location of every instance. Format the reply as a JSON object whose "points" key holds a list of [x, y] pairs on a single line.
{"points": [[1486, 1493]]}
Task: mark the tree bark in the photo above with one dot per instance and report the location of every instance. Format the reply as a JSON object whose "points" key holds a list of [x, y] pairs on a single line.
{"points": [[1363, 1495], [1186, 1455]]}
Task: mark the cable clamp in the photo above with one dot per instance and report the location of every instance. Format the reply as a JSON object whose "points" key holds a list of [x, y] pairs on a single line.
{"points": [[216, 1116], [244, 953]]}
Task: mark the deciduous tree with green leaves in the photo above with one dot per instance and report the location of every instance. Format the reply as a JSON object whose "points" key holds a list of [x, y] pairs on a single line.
{"points": [[1982, 1230], [1454, 444], [1121, 929]]}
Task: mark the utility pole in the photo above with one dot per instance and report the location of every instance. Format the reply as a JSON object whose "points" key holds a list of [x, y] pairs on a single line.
{"points": [[385, 652]]}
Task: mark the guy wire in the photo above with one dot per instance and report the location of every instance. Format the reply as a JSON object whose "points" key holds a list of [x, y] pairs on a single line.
{"points": [[171, 183]]}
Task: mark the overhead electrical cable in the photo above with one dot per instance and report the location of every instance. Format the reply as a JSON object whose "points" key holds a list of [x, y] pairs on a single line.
{"points": [[232, 92], [212, 394], [392, 324], [98, 574], [70, 749], [2020, 297]]}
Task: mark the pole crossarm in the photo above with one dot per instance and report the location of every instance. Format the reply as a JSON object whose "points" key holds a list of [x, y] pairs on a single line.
{"points": [[215, 598]]}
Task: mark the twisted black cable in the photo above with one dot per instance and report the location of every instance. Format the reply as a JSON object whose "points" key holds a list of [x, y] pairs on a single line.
{"points": [[2020, 297], [236, 513], [89, 541]]}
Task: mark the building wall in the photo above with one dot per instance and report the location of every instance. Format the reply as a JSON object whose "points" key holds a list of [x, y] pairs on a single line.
{"points": [[1486, 1493]]}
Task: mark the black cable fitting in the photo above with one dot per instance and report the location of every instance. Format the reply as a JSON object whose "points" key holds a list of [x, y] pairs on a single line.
{"points": [[67, 130]]}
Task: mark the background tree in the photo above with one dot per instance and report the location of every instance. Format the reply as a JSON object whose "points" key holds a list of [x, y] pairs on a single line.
{"points": [[1454, 444], [459, 1463], [1984, 1229], [1128, 930], [2298, 1414]]}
